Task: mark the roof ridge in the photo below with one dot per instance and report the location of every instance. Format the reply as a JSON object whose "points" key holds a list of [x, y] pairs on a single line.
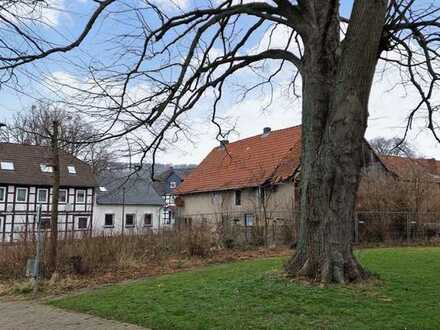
{"points": [[255, 136], [409, 158]]}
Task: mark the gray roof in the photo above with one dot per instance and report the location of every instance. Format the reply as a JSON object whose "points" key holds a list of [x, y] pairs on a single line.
{"points": [[161, 185], [128, 189]]}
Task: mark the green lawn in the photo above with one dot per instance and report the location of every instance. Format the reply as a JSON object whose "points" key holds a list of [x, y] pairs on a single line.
{"points": [[252, 295]]}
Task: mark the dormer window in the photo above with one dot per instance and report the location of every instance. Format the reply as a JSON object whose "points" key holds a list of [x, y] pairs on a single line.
{"points": [[7, 166], [173, 184], [71, 169], [46, 168]]}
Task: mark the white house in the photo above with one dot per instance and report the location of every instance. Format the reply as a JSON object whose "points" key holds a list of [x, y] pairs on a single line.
{"points": [[165, 184], [25, 182], [126, 203]]}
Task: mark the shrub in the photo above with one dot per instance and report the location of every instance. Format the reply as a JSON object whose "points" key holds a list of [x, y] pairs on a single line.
{"points": [[102, 253]]}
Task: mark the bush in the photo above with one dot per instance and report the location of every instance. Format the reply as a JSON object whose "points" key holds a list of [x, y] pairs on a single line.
{"points": [[90, 255]]}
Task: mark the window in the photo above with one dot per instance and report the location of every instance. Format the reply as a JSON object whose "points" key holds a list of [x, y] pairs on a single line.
{"points": [[2, 194], [169, 199], [168, 218], [46, 168], [173, 184], [238, 197], [80, 196], [262, 193], [7, 166], [148, 220], [188, 221], [45, 222], [82, 223], [102, 189], [109, 220], [71, 169], [21, 195], [42, 195], [129, 220], [248, 220], [63, 196]]}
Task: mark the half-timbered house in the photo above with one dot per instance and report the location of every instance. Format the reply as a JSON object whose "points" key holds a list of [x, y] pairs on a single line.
{"points": [[26, 178]]}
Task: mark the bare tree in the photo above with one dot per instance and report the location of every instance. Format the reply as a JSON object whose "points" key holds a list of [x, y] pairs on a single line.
{"points": [[392, 147], [181, 57], [51, 126], [75, 136]]}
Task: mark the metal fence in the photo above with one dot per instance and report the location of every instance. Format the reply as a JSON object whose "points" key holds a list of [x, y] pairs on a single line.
{"points": [[270, 228], [395, 226], [282, 227]]}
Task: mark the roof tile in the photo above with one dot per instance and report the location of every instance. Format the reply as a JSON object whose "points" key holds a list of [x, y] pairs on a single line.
{"points": [[247, 163]]}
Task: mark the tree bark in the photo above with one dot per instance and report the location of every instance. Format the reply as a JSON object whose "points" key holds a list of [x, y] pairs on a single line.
{"points": [[53, 248], [337, 79]]}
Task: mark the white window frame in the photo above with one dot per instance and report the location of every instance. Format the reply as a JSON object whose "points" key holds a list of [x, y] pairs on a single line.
{"points": [[4, 194], [46, 168], [38, 195], [71, 169], [113, 220], [85, 196], [67, 196], [16, 194], [134, 220], [7, 165], [173, 185]]}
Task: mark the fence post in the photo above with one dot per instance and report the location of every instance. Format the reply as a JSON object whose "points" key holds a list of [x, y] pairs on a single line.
{"points": [[36, 268]]}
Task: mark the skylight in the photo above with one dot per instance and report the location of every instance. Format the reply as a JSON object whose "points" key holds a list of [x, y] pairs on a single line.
{"points": [[46, 168], [71, 169], [7, 166]]}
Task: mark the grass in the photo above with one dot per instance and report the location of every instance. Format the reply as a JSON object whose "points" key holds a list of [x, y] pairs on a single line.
{"points": [[253, 295]]}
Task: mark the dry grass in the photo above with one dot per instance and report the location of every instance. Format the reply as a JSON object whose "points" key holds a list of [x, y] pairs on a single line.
{"points": [[92, 261]]}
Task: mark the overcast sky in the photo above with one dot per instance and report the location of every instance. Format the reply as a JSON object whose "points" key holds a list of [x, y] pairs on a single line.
{"points": [[389, 106]]}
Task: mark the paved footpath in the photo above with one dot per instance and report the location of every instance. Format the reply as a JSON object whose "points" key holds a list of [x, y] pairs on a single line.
{"points": [[25, 315]]}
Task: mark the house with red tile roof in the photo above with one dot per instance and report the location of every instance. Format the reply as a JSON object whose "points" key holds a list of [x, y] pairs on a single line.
{"points": [[406, 168], [247, 176]]}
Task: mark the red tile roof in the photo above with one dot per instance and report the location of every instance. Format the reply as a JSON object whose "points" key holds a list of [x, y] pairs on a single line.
{"points": [[245, 163], [405, 167]]}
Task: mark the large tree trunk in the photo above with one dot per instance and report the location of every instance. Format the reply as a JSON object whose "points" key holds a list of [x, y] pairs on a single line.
{"points": [[337, 80]]}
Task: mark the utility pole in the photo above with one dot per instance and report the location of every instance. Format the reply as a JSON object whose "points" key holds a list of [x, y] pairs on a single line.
{"points": [[55, 151], [123, 209], [37, 260]]}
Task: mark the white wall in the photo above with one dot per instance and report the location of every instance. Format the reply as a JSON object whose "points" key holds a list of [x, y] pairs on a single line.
{"points": [[100, 211], [17, 219]]}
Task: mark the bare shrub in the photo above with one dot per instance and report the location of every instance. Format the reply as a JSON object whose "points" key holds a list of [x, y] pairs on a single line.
{"points": [[103, 253], [13, 259]]}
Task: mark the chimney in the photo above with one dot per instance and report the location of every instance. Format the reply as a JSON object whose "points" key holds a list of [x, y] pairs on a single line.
{"points": [[266, 130], [223, 143]]}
